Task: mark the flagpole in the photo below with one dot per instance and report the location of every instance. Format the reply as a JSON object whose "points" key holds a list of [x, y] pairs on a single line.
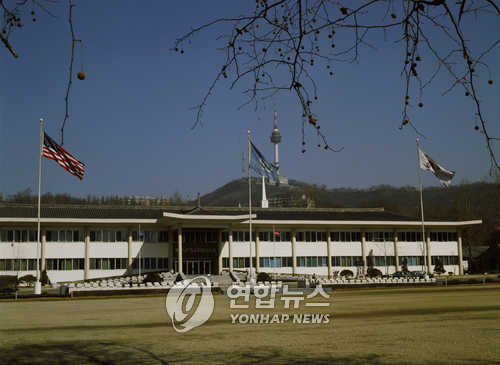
{"points": [[38, 285], [140, 249], [250, 209], [421, 206]]}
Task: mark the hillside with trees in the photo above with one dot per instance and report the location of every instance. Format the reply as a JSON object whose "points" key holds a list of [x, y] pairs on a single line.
{"points": [[467, 201]]}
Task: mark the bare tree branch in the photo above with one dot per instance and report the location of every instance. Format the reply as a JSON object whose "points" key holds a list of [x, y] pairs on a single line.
{"points": [[9, 47], [276, 47], [74, 40]]}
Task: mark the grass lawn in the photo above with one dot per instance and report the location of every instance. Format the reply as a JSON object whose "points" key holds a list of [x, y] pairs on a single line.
{"points": [[454, 325]]}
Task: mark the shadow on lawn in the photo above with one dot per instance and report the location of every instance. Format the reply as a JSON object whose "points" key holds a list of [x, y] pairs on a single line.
{"points": [[124, 353]]}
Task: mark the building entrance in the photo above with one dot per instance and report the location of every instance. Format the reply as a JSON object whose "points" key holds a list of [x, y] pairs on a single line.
{"points": [[195, 267], [199, 252]]}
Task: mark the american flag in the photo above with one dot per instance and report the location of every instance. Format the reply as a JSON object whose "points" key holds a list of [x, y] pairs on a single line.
{"points": [[65, 159]]}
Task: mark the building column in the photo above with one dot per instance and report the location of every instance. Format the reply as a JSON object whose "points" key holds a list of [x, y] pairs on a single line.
{"points": [[396, 256], [257, 242], [86, 260], [43, 246], [428, 251], [219, 253], [363, 251], [460, 257], [179, 248], [329, 254], [129, 251], [230, 247], [294, 252], [170, 254]]}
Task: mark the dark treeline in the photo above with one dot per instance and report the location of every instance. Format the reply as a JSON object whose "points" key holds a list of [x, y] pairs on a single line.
{"points": [[27, 196], [466, 201]]}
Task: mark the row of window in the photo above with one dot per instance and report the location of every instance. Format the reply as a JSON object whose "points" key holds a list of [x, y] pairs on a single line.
{"points": [[122, 236], [244, 262], [312, 261], [337, 261], [199, 236], [151, 263], [103, 235], [312, 236], [64, 236], [244, 236], [443, 236], [411, 260], [79, 264], [18, 235], [446, 260], [64, 264], [146, 263], [17, 264]]}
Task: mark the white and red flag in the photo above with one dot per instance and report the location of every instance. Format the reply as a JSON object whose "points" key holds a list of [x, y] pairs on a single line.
{"points": [[427, 163]]}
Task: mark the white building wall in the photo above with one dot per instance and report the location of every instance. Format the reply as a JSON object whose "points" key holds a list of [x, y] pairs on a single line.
{"points": [[410, 249], [108, 249], [444, 248], [323, 271], [346, 249], [225, 249], [94, 274], [311, 249], [280, 270], [14, 250], [241, 249], [277, 249], [151, 249], [57, 276], [380, 248], [61, 250]]}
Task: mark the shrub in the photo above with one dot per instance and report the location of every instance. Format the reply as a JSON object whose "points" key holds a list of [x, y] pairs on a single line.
{"points": [[346, 272], [439, 268], [44, 278], [404, 265], [370, 261], [8, 283], [27, 278], [263, 276], [152, 277], [372, 272]]}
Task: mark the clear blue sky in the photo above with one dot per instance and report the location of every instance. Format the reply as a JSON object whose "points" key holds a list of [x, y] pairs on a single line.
{"points": [[131, 119]]}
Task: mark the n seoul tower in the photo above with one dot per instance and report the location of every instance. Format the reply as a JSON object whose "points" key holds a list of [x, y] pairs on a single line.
{"points": [[275, 139]]}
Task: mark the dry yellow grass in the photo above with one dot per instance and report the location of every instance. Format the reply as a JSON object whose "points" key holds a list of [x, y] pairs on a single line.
{"points": [[454, 325]]}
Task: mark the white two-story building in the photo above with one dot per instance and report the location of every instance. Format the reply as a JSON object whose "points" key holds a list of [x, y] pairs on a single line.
{"points": [[84, 242]]}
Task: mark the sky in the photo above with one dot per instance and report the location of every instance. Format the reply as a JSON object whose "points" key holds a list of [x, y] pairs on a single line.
{"points": [[131, 118]]}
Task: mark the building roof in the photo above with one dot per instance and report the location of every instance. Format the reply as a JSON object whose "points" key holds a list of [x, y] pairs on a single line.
{"points": [[9, 210], [130, 214], [78, 211]]}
